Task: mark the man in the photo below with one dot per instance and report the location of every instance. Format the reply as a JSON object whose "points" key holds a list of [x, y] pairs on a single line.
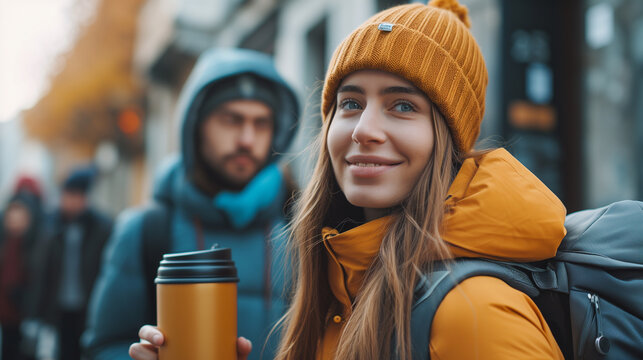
{"points": [[237, 115], [75, 235]]}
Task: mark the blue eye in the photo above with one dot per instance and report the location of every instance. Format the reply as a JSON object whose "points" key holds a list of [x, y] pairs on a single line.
{"points": [[349, 105], [404, 107]]}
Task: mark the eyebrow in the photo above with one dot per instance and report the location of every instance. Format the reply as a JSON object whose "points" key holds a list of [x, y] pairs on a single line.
{"points": [[399, 89], [239, 115], [350, 88], [388, 90]]}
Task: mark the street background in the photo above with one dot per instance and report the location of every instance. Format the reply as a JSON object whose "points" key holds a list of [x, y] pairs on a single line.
{"points": [[102, 78]]}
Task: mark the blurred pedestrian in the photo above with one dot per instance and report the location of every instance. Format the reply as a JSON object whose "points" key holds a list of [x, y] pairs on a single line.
{"points": [[237, 116], [18, 233], [74, 238]]}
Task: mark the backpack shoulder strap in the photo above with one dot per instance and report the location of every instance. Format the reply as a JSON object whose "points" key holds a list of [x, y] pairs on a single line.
{"points": [[156, 241], [433, 287]]}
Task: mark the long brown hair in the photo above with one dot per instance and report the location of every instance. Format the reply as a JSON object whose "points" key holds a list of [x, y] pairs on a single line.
{"points": [[383, 306]]}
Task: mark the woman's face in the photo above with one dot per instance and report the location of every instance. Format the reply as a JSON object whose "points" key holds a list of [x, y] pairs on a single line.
{"points": [[380, 138]]}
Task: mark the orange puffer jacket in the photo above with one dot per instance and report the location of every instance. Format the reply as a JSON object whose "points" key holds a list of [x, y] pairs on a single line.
{"points": [[498, 210]]}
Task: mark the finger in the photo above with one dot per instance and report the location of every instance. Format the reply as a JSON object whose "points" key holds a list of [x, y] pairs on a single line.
{"points": [[244, 346], [139, 351], [151, 334]]}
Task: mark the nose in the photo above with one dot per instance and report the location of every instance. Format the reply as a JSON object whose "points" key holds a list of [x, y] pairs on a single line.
{"points": [[368, 129], [247, 135]]}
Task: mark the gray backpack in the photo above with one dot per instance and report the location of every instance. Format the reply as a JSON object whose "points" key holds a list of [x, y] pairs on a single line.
{"points": [[590, 293]]}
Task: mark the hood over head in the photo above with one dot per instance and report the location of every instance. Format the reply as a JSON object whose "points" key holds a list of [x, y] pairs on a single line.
{"points": [[29, 184], [498, 209], [258, 79]]}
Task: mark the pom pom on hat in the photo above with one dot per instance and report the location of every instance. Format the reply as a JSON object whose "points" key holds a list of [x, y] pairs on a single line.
{"points": [[459, 10]]}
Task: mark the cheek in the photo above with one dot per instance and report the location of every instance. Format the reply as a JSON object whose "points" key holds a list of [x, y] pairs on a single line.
{"points": [[337, 144], [206, 137], [214, 140], [263, 143], [417, 143], [420, 151]]}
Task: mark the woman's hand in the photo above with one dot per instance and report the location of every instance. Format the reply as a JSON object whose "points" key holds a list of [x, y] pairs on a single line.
{"points": [[152, 338]]}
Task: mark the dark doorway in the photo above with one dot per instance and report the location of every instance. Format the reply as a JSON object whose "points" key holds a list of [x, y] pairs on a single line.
{"points": [[541, 62]]}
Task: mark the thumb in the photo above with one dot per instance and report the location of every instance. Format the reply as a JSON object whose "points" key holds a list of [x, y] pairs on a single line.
{"points": [[244, 346]]}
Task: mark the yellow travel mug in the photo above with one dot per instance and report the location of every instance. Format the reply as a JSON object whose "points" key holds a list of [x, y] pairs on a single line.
{"points": [[196, 294]]}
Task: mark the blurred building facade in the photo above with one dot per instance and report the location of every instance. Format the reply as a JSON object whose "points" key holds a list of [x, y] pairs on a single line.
{"points": [[612, 100], [565, 94], [20, 155], [92, 111]]}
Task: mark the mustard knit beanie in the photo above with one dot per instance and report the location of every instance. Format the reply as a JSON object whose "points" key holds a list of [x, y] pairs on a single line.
{"points": [[429, 45]]}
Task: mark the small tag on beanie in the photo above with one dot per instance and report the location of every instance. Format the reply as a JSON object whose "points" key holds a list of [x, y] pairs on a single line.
{"points": [[388, 27]]}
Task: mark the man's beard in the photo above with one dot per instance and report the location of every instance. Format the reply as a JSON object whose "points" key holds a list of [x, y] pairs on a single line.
{"points": [[217, 176]]}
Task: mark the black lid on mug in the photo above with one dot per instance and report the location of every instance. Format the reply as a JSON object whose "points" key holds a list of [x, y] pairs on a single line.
{"points": [[206, 266]]}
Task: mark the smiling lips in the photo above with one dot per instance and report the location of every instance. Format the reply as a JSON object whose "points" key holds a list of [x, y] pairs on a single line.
{"points": [[369, 166]]}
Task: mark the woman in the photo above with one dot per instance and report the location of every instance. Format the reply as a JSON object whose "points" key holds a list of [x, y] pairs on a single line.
{"points": [[402, 105]]}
